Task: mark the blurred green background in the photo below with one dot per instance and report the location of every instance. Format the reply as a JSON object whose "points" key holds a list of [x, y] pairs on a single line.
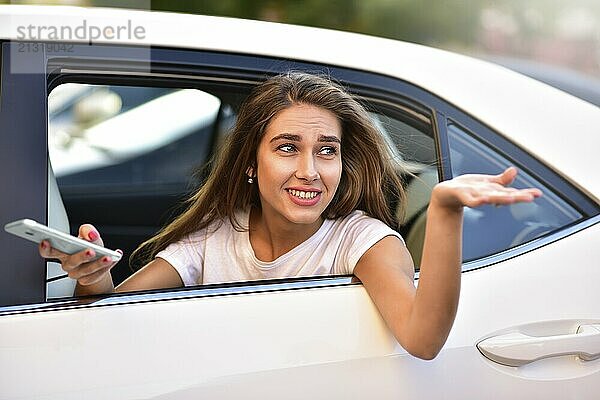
{"points": [[563, 33]]}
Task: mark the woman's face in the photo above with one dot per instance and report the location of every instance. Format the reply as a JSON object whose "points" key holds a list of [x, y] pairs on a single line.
{"points": [[299, 164]]}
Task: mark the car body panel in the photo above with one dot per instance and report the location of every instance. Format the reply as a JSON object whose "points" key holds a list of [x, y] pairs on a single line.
{"points": [[280, 330]]}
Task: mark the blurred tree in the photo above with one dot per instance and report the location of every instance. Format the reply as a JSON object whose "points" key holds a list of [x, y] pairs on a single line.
{"points": [[565, 32], [424, 21]]}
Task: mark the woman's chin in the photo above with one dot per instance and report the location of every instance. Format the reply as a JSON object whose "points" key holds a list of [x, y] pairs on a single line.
{"points": [[307, 217]]}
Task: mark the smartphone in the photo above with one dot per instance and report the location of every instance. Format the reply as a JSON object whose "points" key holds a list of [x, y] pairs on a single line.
{"points": [[36, 232]]}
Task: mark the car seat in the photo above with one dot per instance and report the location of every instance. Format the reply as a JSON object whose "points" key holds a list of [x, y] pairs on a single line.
{"points": [[418, 194]]}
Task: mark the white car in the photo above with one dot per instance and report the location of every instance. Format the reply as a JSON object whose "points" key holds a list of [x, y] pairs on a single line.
{"points": [[528, 323]]}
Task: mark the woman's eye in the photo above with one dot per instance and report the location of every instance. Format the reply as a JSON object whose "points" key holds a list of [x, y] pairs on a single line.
{"points": [[328, 150], [287, 148]]}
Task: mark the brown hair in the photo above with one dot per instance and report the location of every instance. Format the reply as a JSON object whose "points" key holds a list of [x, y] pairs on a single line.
{"points": [[370, 177]]}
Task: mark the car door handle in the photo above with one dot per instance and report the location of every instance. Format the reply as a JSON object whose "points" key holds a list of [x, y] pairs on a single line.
{"points": [[516, 349]]}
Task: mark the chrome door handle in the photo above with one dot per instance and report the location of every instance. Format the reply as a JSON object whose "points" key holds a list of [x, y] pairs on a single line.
{"points": [[516, 349]]}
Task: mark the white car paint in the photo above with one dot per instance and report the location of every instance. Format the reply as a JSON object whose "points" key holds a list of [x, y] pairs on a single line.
{"points": [[330, 342]]}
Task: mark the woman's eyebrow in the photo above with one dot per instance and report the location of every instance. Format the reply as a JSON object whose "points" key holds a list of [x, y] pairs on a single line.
{"points": [[286, 136], [329, 139]]}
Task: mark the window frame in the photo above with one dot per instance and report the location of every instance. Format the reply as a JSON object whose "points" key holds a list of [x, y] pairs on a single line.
{"points": [[99, 62]]}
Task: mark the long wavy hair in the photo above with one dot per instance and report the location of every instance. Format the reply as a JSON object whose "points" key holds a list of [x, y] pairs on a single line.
{"points": [[370, 179]]}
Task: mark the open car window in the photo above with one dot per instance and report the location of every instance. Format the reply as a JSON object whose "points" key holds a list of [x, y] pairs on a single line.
{"points": [[124, 157]]}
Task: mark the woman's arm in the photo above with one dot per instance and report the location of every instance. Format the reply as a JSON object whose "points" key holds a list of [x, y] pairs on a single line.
{"points": [[157, 274], [421, 318]]}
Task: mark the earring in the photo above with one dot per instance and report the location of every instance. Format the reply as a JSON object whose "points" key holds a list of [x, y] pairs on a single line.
{"points": [[249, 172]]}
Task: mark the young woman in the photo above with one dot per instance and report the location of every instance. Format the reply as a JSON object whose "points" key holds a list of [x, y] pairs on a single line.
{"points": [[302, 187]]}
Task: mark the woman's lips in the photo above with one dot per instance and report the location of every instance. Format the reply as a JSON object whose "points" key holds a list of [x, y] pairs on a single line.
{"points": [[304, 198]]}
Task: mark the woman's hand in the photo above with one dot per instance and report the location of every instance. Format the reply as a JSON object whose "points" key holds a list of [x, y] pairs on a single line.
{"points": [[475, 190], [80, 266]]}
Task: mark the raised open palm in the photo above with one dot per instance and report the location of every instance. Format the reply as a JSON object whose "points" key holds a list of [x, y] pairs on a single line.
{"points": [[474, 190]]}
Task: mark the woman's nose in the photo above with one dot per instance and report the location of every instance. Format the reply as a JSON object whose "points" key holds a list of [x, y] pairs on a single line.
{"points": [[307, 169]]}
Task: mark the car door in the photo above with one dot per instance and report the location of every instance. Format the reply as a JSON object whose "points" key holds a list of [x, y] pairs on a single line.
{"points": [[527, 323], [319, 337]]}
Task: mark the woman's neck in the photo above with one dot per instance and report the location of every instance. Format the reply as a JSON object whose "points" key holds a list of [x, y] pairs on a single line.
{"points": [[272, 237]]}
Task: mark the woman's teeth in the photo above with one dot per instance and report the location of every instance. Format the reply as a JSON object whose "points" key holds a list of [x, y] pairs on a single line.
{"points": [[303, 195]]}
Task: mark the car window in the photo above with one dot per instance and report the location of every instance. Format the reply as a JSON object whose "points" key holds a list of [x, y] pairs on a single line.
{"points": [[489, 230], [113, 148]]}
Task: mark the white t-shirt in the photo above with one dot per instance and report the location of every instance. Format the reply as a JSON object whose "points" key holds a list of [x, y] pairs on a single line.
{"points": [[225, 255]]}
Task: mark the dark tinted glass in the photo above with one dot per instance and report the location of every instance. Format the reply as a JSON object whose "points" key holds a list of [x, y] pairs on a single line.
{"points": [[488, 229]]}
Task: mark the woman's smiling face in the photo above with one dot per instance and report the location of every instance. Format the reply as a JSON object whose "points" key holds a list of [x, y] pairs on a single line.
{"points": [[299, 164]]}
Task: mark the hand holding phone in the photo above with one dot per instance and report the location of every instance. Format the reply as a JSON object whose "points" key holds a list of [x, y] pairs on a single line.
{"points": [[36, 232]]}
